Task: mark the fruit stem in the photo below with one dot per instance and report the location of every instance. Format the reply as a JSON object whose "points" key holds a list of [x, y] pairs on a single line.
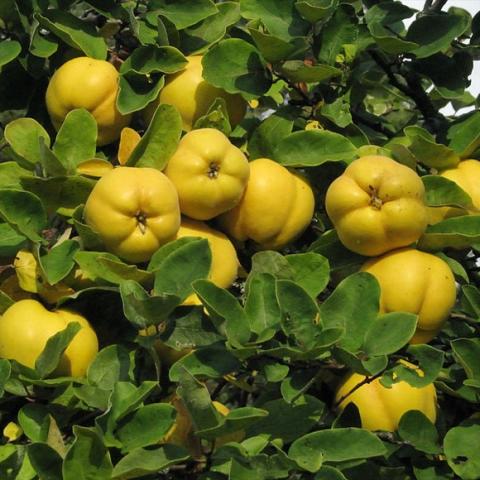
{"points": [[213, 170], [142, 221], [375, 200]]}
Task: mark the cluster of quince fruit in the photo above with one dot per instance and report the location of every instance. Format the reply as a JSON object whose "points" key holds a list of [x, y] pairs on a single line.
{"points": [[378, 209], [136, 210]]}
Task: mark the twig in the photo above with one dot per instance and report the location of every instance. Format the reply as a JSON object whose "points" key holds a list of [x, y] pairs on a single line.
{"points": [[428, 5], [438, 5]]}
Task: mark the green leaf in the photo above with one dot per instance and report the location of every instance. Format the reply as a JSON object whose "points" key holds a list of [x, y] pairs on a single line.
{"points": [[296, 419], [427, 151], [264, 140], [5, 371], [329, 473], [384, 22], [216, 117], [159, 141], [74, 32], [34, 420], [23, 135], [315, 10], [464, 135], [338, 111], [28, 216], [389, 333], [137, 91], [297, 384], [10, 241], [209, 362], [9, 50], [177, 272], [91, 240], [142, 462], [152, 59], [297, 71], [310, 148], [237, 67], [461, 449], [338, 445], [10, 173], [448, 73], [143, 310], [105, 266], [184, 13], [353, 305], [430, 362], [196, 399], [58, 262], [435, 31], [198, 37], [442, 191], [340, 30], [138, 83], [125, 398], [46, 461], [275, 372], [76, 139], [281, 19], [50, 358], [467, 351], [311, 271], [273, 48], [261, 305], [145, 426], [470, 300], [49, 161], [111, 365], [237, 419], [191, 328], [222, 305], [300, 316], [5, 302], [87, 458], [43, 46], [273, 263], [456, 232], [60, 194], [419, 431]]}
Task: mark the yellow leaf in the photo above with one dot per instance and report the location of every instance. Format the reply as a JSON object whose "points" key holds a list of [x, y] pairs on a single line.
{"points": [[96, 167], [129, 139], [12, 431]]}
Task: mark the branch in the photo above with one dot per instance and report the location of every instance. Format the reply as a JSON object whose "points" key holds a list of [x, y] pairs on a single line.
{"points": [[413, 88], [438, 5]]}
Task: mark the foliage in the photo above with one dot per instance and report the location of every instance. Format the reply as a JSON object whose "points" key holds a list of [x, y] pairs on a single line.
{"points": [[327, 81]]}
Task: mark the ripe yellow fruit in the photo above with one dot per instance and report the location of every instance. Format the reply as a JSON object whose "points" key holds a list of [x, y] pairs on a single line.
{"points": [[134, 210], [276, 208], [415, 282], [193, 96], [88, 83], [26, 326], [377, 205], [381, 408], [467, 176], [209, 173]]}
